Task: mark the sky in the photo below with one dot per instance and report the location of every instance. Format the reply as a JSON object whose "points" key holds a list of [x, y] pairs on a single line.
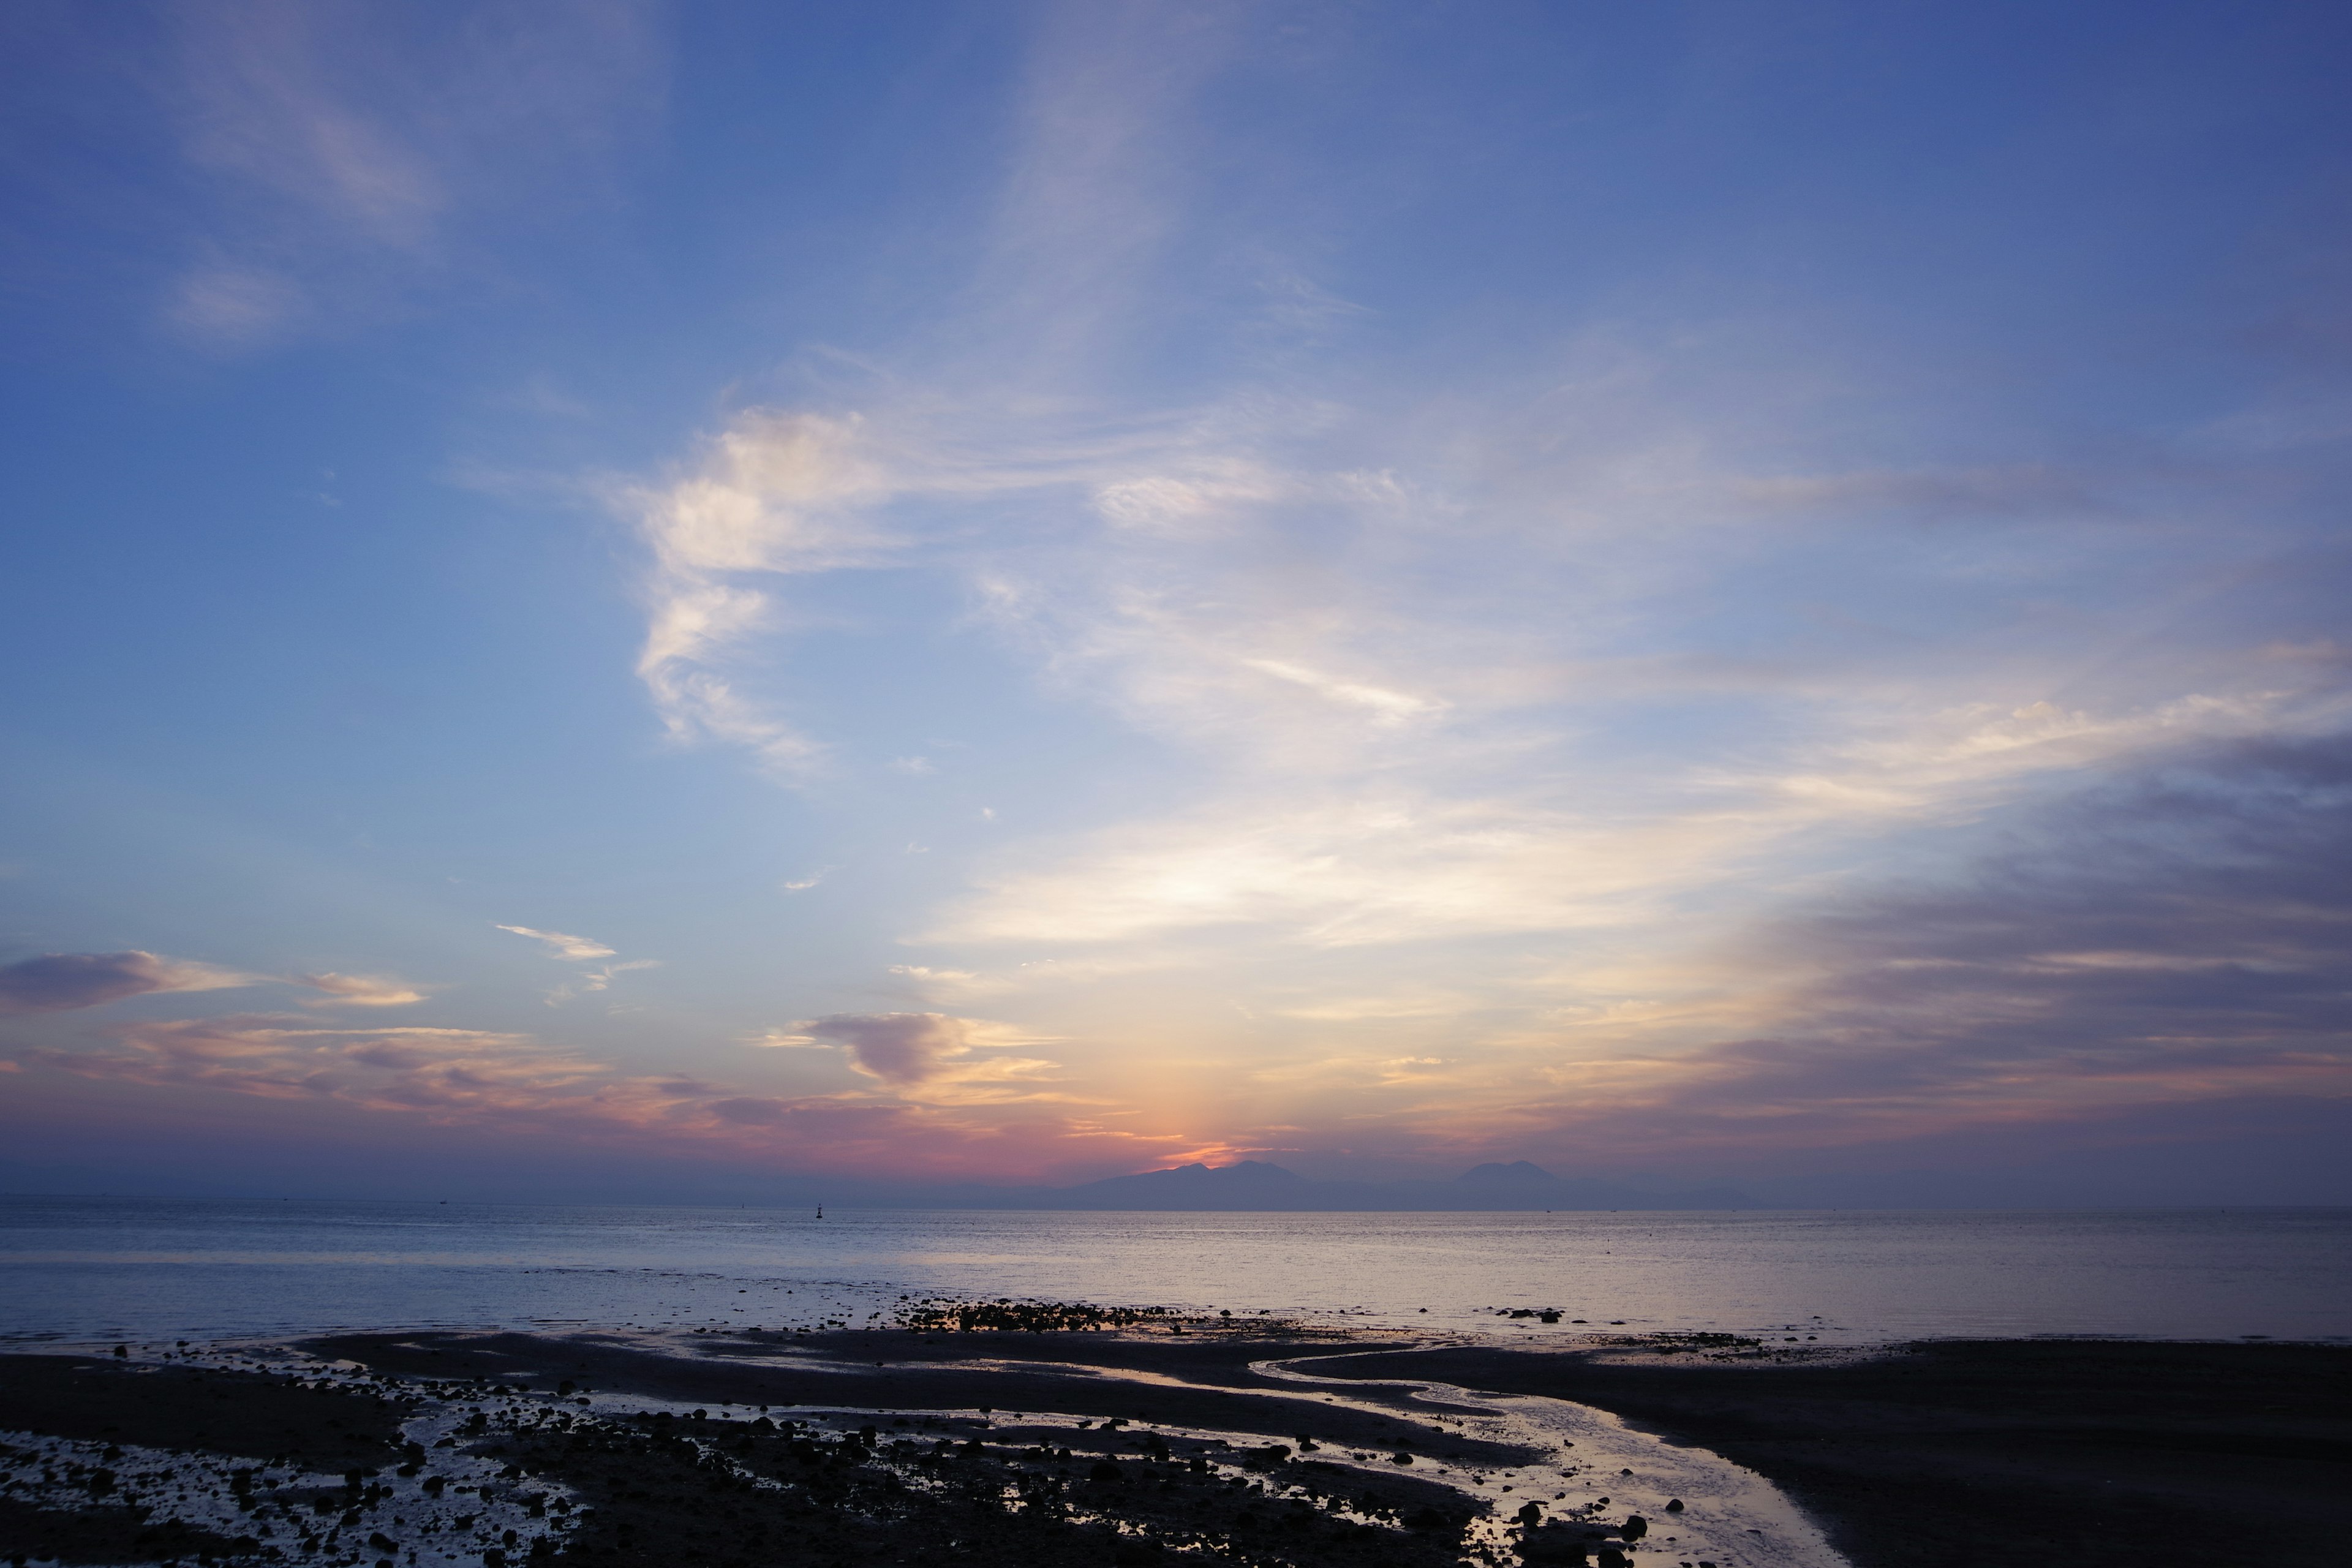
{"points": [[654, 600]]}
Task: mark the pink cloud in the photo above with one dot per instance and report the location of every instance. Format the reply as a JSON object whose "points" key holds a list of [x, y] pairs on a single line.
{"points": [[511, 1082]]}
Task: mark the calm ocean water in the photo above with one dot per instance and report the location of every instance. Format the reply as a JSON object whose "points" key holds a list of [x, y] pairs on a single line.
{"points": [[75, 1269]]}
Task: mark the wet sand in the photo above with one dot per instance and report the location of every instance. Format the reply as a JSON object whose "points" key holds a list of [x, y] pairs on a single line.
{"points": [[1074, 1448], [1944, 1453], [1140, 1444]]}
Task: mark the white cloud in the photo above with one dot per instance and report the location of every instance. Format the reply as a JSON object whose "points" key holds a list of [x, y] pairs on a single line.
{"points": [[773, 493], [1200, 504], [362, 991], [1387, 707], [559, 945], [1339, 871], [602, 978], [952, 986]]}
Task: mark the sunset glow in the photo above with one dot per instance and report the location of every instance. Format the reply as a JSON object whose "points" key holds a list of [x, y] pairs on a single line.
{"points": [[696, 597]]}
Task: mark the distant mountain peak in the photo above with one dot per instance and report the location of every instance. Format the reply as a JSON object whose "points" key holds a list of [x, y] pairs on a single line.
{"points": [[1517, 1171]]}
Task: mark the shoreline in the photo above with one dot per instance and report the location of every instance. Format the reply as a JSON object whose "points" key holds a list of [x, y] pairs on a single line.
{"points": [[1929, 1453], [1158, 1441]]}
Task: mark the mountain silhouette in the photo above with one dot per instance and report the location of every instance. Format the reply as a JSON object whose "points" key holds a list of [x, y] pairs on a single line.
{"points": [[1517, 1171]]}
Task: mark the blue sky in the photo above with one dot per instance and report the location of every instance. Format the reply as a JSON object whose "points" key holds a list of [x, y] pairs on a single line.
{"points": [[1014, 592]]}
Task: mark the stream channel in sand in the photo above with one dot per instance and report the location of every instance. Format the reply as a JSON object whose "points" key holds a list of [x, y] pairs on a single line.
{"points": [[1730, 1515], [1599, 1469]]}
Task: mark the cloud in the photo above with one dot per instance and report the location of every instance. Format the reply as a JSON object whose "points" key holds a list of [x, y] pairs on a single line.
{"points": [[601, 979], [561, 946], [1201, 502], [1411, 855], [897, 1047], [909, 1050], [774, 493], [2032, 488], [241, 305], [932, 984], [1340, 870], [780, 494], [1486, 706], [60, 982], [362, 991], [2173, 937], [1067, 261], [508, 1084], [347, 153], [598, 978], [441, 1071]]}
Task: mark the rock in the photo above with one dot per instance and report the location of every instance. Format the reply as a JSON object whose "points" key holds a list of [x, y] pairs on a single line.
{"points": [[1674, 1505], [1635, 1527]]}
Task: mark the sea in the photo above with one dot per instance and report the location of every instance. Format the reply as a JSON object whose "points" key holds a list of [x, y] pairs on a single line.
{"points": [[91, 1271]]}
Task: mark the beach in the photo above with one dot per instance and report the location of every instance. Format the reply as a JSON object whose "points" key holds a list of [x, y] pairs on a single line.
{"points": [[1947, 1452], [968, 1434]]}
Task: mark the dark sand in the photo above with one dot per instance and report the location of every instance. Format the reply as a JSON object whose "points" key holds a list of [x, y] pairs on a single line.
{"points": [[1947, 1454], [987, 1466], [2084, 1454]]}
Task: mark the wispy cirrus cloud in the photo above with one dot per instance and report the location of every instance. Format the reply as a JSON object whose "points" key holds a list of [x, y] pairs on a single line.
{"points": [[363, 991], [581, 950], [343, 153], [601, 978], [560, 945]]}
